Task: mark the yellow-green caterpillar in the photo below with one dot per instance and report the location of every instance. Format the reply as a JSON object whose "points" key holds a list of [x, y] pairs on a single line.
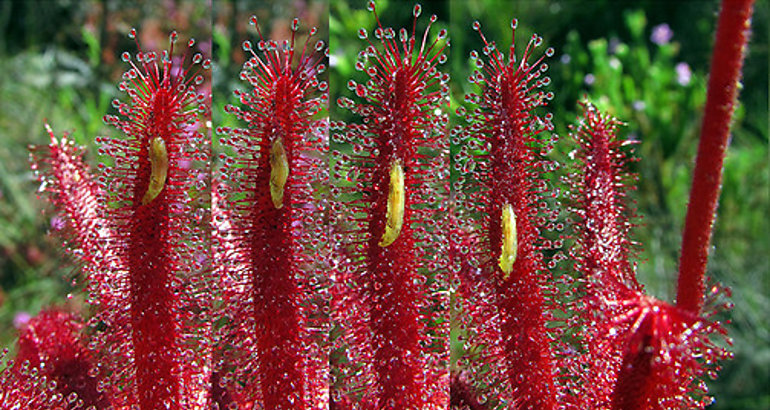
{"points": [[510, 244], [396, 199], [279, 172], [158, 169]]}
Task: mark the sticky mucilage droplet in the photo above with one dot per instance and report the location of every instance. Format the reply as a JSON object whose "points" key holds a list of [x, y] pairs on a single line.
{"points": [[158, 169], [396, 200], [279, 172], [509, 242]]}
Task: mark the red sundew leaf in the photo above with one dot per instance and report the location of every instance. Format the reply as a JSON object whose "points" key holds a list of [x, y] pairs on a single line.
{"points": [[389, 178], [270, 229], [50, 354], [502, 213], [64, 175], [149, 303], [598, 184]]}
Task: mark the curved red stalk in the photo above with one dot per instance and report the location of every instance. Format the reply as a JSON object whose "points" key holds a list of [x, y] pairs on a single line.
{"points": [[277, 240], [721, 99], [153, 225], [504, 168], [385, 299]]}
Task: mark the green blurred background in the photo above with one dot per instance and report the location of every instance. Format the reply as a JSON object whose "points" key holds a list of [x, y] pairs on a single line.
{"points": [[60, 61]]}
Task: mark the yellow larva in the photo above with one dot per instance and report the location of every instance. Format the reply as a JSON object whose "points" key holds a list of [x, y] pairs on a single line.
{"points": [[509, 245], [396, 198], [279, 172], [158, 169]]}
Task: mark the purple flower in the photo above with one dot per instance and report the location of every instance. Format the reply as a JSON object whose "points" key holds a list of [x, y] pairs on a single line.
{"points": [[661, 34], [21, 319], [613, 45], [683, 74], [57, 223], [589, 79]]}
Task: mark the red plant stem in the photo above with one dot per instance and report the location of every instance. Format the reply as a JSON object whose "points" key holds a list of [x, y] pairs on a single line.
{"points": [[726, 64], [273, 269], [152, 295]]}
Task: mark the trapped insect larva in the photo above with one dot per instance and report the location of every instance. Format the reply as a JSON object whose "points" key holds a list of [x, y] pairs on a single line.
{"points": [[510, 244], [279, 172], [396, 197], [158, 169]]}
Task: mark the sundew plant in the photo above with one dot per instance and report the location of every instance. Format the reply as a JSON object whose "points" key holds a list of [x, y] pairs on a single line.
{"points": [[358, 223]]}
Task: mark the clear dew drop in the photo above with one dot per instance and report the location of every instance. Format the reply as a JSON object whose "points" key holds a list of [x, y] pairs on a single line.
{"points": [[132, 33], [191, 42], [370, 5], [295, 24], [476, 25], [549, 52], [253, 20], [319, 45], [402, 35], [514, 23], [433, 18], [362, 34], [417, 10], [173, 36], [247, 45], [126, 57], [442, 34]]}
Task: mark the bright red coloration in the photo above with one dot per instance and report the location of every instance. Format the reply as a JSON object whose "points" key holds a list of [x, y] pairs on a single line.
{"points": [[63, 173], [462, 395], [633, 352], [275, 255], [146, 304], [501, 163], [666, 353], [602, 254], [721, 99], [49, 347], [386, 298]]}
